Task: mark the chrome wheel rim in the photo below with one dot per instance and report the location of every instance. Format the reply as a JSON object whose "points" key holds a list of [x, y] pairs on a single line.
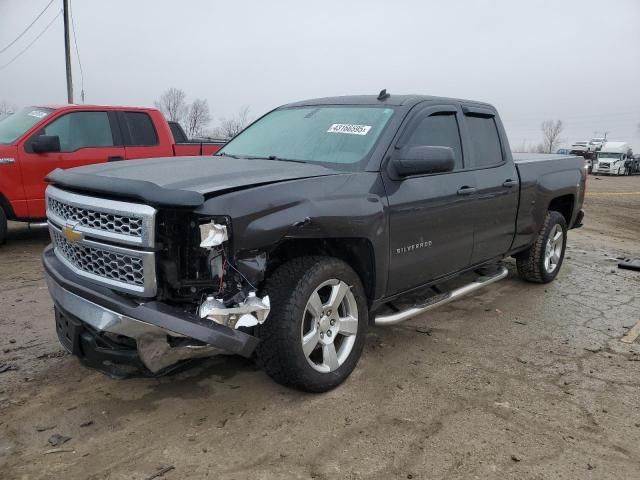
{"points": [[329, 326], [553, 249]]}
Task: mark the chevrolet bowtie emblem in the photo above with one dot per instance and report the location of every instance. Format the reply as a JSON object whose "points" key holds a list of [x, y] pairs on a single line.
{"points": [[70, 234]]}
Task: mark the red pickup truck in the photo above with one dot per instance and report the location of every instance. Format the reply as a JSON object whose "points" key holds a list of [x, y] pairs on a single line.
{"points": [[37, 140]]}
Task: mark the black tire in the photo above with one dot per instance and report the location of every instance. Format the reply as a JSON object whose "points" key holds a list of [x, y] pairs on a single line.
{"points": [[531, 263], [280, 350], [3, 226]]}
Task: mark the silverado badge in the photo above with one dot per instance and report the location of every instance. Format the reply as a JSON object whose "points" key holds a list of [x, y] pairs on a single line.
{"points": [[415, 246]]}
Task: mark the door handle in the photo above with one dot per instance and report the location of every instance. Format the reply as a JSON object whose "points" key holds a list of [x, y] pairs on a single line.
{"points": [[115, 158], [466, 190], [509, 183]]}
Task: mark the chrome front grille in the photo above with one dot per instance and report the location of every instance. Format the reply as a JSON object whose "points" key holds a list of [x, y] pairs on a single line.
{"points": [[115, 221], [119, 267], [107, 222], [103, 240]]}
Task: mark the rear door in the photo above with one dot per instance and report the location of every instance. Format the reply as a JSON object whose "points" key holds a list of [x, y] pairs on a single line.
{"points": [[497, 184], [430, 216], [86, 137]]}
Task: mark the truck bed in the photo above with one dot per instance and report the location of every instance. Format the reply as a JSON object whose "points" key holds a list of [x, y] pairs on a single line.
{"points": [[188, 149], [541, 157], [544, 177]]}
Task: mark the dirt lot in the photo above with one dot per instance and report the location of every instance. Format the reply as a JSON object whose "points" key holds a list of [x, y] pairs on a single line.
{"points": [[519, 381]]}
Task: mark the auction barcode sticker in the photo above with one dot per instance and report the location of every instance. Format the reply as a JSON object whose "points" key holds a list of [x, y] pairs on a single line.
{"points": [[349, 129], [37, 114]]}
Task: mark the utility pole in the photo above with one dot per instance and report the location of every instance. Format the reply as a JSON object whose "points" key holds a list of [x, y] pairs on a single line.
{"points": [[67, 51]]}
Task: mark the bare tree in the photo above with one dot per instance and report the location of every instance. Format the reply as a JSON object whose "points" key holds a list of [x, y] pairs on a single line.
{"points": [[551, 135], [230, 127], [6, 108], [173, 104], [198, 118], [527, 147]]}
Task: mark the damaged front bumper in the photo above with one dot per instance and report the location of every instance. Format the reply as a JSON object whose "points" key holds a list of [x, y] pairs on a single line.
{"points": [[112, 333]]}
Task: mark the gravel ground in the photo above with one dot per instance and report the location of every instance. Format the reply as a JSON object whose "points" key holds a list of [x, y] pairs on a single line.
{"points": [[519, 381]]}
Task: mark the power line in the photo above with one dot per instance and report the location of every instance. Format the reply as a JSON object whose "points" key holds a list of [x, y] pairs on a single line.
{"points": [[28, 27], [75, 41], [32, 42]]}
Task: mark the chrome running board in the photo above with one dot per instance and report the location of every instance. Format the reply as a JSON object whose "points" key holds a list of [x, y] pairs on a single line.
{"points": [[441, 299]]}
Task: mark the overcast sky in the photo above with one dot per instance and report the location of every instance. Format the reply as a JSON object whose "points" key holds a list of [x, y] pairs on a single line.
{"points": [[574, 60]]}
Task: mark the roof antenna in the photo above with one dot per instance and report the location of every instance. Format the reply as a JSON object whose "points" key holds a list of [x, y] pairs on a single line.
{"points": [[383, 95]]}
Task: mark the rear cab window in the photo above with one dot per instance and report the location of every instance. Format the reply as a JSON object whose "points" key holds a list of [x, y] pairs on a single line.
{"points": [[484, 140], [177, 132], [140, 131]]}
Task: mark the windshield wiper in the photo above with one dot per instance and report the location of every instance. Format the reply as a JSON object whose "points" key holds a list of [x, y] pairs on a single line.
{"points": [[225, 154], [275, 157], [256, 157]]}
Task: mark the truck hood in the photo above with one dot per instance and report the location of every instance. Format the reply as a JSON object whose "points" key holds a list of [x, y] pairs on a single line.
{"points": [[181, 181]]}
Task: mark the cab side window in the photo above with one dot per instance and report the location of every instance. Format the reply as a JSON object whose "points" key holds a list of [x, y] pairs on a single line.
{"points": [[81, 130], [485, 141], [438, 130], [142, 133]]}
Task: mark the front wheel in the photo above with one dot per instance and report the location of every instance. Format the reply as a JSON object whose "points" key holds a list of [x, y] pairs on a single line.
{"points": [[3, 226], [542, 261], [315, 332]]}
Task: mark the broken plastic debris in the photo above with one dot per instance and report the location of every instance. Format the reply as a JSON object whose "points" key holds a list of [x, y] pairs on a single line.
{"points": [[252, 311], [56, 439], [212, 234]]}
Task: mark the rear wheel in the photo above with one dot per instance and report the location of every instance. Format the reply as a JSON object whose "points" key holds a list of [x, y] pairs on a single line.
{"points": [[542, 261], [315, 332], [3, 226]]}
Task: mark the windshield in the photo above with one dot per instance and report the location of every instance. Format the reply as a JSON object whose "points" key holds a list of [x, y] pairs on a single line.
{"points": [[339, 137], [12, 127], [608, 155]]}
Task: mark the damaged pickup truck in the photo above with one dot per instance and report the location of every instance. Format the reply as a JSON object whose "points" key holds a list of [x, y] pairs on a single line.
{"points": [[321, 218]]}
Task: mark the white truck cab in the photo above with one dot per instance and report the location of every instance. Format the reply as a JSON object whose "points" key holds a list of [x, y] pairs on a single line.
{"points": [[595, 144], [612, 157]]}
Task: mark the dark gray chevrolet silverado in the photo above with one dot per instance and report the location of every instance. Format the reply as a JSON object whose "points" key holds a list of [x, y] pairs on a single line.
{"points": [[322, 217]]}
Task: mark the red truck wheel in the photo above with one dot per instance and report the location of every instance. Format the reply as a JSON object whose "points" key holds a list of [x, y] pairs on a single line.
{"points": [[3, 226]]}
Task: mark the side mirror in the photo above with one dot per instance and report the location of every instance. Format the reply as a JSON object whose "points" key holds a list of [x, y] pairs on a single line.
{"points": [[423, 161], [45, 144]]}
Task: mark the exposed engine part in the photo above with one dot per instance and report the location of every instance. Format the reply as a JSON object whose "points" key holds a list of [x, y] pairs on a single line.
{"points": [[253, 268], [248, 313], [212, 234], [216, 263]]}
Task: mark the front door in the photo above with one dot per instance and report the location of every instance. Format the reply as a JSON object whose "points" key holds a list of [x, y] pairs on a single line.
{"points": [[430, 216], [85, 137]]}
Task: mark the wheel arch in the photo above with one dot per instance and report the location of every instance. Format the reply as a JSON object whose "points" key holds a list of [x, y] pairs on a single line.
{"points": [[6, 206], [564, 204], [358, 253]]}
